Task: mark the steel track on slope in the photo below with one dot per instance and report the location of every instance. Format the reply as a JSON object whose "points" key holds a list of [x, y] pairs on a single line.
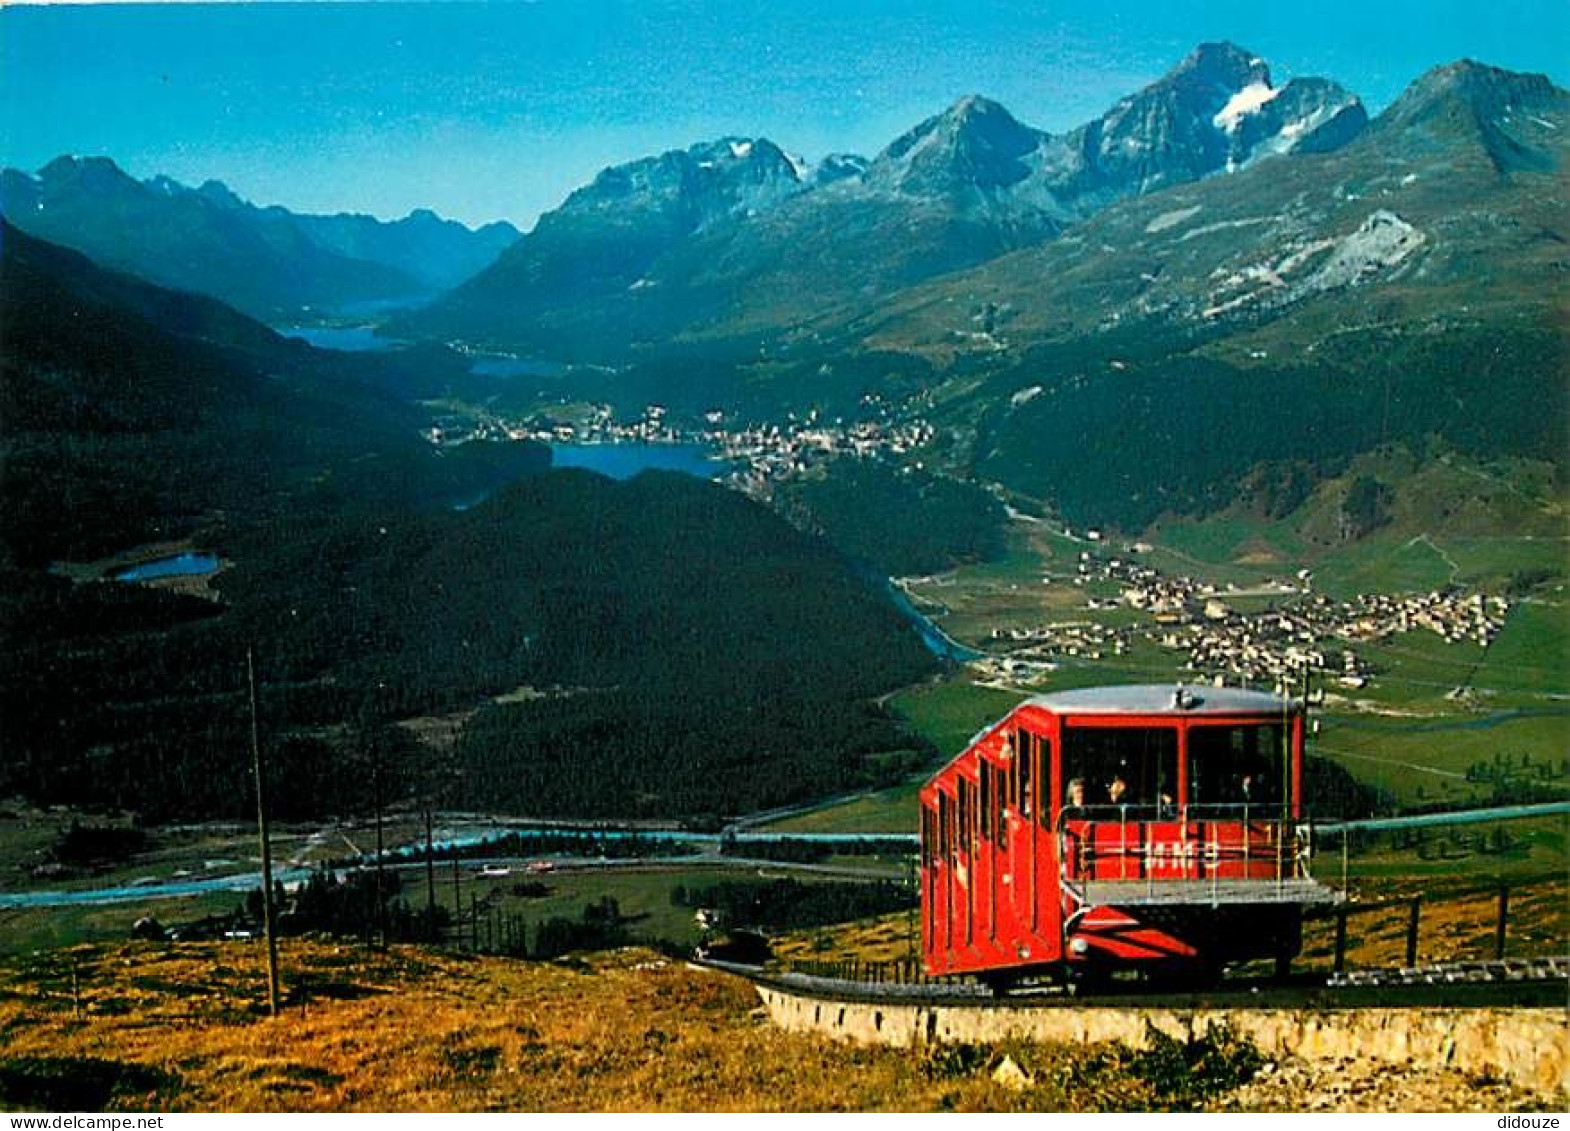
{"points": [[1511, 982]]}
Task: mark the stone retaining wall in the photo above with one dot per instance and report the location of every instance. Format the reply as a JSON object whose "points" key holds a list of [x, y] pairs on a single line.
{"points": [[1529, 1047]]}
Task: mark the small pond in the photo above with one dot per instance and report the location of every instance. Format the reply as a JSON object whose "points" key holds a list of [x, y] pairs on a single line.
{"points": [[180, 565]]}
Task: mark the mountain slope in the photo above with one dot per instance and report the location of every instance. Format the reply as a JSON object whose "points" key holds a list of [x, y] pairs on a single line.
{"points": [[1437, 188], [1406, 286], [643, 258], [437, 254], [269, 263], [133, 414], [1216, 110], [128, 411], [575, 279]]}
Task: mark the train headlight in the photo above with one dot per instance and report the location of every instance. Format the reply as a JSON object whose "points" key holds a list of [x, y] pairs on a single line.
{"points": [[1078, 945]]}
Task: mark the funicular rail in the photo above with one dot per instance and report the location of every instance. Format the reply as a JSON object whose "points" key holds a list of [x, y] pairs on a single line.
{"points": [[1514, 981]]}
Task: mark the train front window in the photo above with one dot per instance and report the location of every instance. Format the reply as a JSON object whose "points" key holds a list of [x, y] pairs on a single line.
{"points": [[1235, 765], [1122, 765]]}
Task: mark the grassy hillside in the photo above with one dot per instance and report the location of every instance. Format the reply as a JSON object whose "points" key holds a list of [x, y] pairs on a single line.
{"points": [[181, 1029], [129, 412], [901, 520]]}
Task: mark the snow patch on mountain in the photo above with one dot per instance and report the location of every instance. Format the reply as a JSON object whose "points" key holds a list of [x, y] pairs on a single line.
{"points": [[1240, 105], [1171, 219]]}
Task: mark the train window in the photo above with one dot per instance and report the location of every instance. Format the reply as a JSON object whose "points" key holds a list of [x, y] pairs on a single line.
{"points": [[929, 835], [946, 825], [1233, 765], [967, 816], [1000, 785], [1025, 744], [1044, 779], [988, 815], [1142, 759]]}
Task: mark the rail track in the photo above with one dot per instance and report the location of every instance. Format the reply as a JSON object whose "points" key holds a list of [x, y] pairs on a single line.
{"points": [[1503, 1018], [1510, 982]]}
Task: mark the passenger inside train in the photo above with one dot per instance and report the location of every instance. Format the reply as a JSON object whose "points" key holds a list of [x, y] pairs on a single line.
{"points": [[1128, 764], [1237, 765]]}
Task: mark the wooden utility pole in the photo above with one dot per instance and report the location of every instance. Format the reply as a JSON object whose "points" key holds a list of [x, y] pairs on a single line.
{"points": [[380, 908], [268, 918], [430, 877]]}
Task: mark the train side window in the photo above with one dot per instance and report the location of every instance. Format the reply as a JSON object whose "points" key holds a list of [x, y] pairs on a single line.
{"points": [[1044, 780], [1000, 787], [967, 815], [1025, 748], [945, 826], [929, 835], [988, 803]]}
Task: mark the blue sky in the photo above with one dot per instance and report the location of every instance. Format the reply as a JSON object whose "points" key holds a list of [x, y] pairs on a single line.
{"points": [[497, 110]]}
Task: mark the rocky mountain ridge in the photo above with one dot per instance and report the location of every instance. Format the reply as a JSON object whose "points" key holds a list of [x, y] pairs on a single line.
{"points": [[271, 263], [734, 235]]}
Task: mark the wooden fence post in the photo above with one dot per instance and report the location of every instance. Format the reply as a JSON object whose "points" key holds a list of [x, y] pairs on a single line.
{"points": [[1504, 916], [1411, 930], [1341, 914]]}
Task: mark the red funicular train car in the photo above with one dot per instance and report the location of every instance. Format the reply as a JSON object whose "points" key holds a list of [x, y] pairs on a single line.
{"points": [[1153, 827]]}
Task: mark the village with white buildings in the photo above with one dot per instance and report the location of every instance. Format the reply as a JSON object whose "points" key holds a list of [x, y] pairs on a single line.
{"points": [[1301, 632]]}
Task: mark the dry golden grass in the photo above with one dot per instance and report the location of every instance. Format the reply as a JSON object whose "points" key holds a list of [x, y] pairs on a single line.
{"points": [[181, 1027], [887, 938], [1451, 927], [412, 1030]]}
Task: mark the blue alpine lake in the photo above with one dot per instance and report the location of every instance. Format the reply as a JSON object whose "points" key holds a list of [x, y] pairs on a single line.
{"points": [[623, 461], [345, 339], [180, 565]]}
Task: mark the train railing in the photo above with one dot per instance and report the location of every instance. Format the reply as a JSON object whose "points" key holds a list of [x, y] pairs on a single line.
{"points": [[1157, 844]]}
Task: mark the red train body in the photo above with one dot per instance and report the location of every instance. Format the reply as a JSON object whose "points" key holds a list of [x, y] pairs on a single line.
{"points": [[1149, 826]]}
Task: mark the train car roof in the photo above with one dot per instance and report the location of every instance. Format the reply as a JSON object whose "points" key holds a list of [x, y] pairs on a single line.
{"points": [[1163, 699]]}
